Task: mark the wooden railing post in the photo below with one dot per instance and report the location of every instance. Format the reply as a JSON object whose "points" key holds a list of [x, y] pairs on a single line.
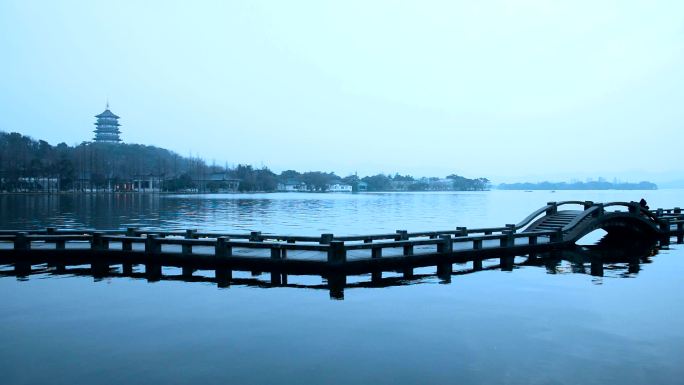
{"points": [[223, 276], [376, 252], [127, 244], [186, 249], [96, 241], [506, 262], [153, 271], [255, 236], [99, 265], [596, 268], [402, 235], [408, 250], [50, 231], [446, 246], [275, 252], [152, 245], [532, 240], [461, 231], [553, 209], [477, 264], [477, 244], [601, 209], [21, 241], [326, 239], [337, 254], [276, 276], [665, 230], [507, 240], [222, 249], [445, 268], [127, 268]]}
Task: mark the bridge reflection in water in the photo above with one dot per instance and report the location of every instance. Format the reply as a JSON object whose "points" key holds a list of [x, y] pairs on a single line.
{"points": [[603, 259]]}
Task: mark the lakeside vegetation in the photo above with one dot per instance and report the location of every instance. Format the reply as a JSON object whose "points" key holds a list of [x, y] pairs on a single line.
{"points": [[35, 165]]}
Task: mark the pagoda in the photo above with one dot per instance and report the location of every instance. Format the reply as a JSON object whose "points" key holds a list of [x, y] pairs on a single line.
{"points": [[107, 127]]}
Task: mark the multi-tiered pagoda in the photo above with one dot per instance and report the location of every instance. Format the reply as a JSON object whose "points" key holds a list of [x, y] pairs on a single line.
{"points": [[107, 127]]}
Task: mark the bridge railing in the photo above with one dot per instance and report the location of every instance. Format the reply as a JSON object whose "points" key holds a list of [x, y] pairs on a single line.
{"points": [[336, 250], [663, 223], [506, 235], [590, 212], [257, 236], [549, 209], [634, 208]]}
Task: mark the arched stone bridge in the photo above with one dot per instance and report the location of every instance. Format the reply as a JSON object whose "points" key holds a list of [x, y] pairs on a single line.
{"points": [[621, 220]]}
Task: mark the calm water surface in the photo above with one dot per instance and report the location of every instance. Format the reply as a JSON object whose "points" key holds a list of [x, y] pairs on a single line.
{"points": [[527, 326]]}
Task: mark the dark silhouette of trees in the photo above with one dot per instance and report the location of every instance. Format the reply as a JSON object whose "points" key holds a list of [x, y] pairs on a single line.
{"points": [[252, 179], [378, 182], [464, 184], [90, 165], [27, 164], [319, 181]]}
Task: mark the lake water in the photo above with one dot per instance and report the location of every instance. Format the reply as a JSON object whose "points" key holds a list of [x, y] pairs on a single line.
{"points": [[533, 325]]}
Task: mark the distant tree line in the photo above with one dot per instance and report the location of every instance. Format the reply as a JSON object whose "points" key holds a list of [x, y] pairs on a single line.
{"points": [[591, 185], [397, 182], [27, 165]]}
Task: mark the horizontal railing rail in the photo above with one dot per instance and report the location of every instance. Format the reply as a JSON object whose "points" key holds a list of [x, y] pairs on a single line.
{"points": [[672, 222]]}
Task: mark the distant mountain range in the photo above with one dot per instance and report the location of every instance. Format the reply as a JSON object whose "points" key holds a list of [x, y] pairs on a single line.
{"points": [[597, 185]]}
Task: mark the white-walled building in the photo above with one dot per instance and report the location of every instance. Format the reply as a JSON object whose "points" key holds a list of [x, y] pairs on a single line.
{"points": [[339, 187]]}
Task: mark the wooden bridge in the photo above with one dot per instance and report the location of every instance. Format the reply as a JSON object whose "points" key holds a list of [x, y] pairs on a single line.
{"points": [[556, 226]]}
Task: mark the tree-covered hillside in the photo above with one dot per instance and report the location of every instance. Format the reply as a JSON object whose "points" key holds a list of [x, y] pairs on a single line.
{"points": [[26, 163]]}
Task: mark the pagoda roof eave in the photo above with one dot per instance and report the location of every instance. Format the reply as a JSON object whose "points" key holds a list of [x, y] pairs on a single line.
{"points": [[107, 114]]}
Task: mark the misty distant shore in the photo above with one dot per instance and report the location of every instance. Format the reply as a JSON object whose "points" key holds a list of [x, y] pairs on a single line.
{"points": [[593, 185]]}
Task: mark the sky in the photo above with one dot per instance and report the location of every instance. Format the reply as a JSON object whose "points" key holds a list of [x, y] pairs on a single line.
{"points": [[509, 90]]}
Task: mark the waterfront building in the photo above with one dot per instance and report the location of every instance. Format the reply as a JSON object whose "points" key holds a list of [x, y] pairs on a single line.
{"points": [[292, 185], [107, 127], [143, 184], [218, 182], [339, 187]]}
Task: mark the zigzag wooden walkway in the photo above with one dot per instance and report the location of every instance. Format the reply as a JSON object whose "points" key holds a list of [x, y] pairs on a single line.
{"points": [[335, 256]]}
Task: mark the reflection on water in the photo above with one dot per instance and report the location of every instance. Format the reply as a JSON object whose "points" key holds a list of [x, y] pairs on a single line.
{"points": [[598, 261], [589, 316], [295, 213]]}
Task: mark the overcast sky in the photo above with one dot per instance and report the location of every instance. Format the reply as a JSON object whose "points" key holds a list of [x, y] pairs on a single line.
{"points": [[510, 90]]}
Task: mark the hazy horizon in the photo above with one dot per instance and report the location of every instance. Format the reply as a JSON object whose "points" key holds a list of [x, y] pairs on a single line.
{"points": [[512, 91]]}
